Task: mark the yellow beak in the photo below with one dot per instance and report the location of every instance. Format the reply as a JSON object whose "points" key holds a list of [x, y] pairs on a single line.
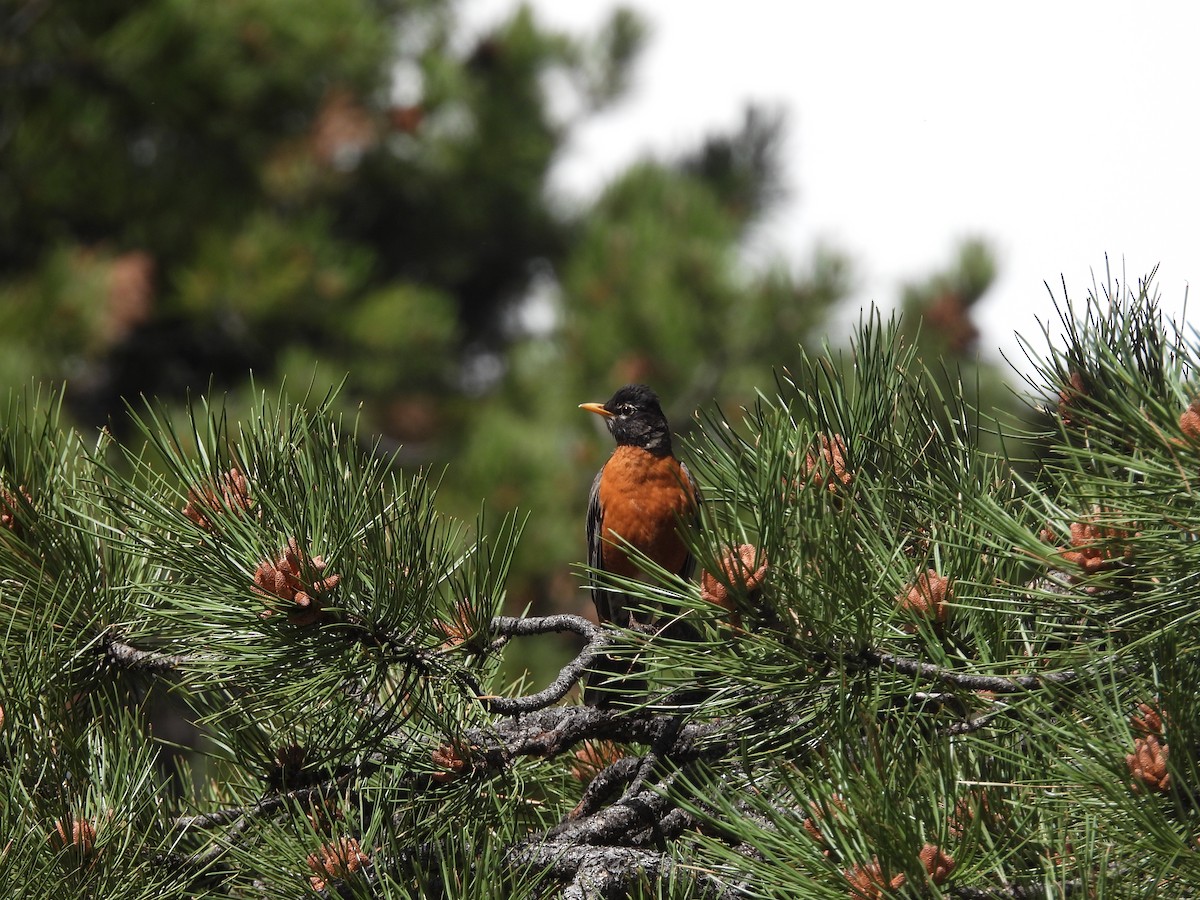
{"points": [[597, 408]]}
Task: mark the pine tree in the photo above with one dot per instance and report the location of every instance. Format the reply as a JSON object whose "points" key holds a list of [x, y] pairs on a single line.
{"points": [[919, 673]]}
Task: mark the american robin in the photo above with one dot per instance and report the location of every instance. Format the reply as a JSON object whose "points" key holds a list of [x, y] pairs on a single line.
{"points": [[641, 499]]}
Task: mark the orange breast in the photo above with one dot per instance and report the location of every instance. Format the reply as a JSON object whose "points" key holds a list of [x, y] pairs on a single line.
{"points": [[644, 498]]}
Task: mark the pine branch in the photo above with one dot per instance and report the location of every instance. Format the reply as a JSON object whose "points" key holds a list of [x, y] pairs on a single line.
{"points": [[556, 730], [593, 872], [606, 783], [507, 627], [767, 758], [123, 655], [268, 805], [996, 683]]}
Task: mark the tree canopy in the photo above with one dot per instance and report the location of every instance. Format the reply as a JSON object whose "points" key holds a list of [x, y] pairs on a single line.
{"points": [[917, 672]]}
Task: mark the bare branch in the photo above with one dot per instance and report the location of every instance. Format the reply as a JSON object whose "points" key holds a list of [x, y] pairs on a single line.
{"points": [[510, 627], [591, 872]]}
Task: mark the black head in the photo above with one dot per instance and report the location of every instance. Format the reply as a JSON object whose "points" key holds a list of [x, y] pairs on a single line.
{"points": [[635, 418]]}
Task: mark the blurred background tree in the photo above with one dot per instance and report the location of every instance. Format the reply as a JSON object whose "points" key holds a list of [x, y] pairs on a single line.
{"points": [[936, 316], [358, 190]]}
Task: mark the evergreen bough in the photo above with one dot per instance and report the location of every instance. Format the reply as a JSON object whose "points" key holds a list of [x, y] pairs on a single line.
{"points": [[925, 669]]}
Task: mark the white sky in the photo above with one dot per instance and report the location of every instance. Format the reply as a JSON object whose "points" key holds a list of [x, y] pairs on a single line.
{"points": [[1059, 131]]}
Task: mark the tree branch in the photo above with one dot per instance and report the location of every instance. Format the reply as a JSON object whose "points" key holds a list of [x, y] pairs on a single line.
{"points": [[125, 656], [509, 627], [555, 730], [592, 872], [232, 815], [999, 684]]}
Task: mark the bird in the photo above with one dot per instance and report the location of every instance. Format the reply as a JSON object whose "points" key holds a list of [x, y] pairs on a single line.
{"points": [[643, 499]]}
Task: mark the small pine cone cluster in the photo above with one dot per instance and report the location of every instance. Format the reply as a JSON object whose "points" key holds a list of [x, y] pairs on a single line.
{"points": [[1148, 761], [742, 570], [290, 579], [593, 758], [966, 809], [817, 817], [1148, 764], [458, 629], [336, 861], [1071, 399], [10, 506], [77, 833], [324, 814], [1147, 720], [869, 883], [937, 863], [1189, 422], [231, 492], [927, 598], [451, 762], [1093, 547], [826, 466]]}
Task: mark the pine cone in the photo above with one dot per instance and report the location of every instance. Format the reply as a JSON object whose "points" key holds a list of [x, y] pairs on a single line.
{"points": [[1149, 721], [78, 833], [284, 579], [1094, 547], [927, 598], [593, 758], [816, 818], [965, 810], [826, 466], [868, 882], [1189, 422], [451, 761], [744, 569], [1148, 764], [458, 629], [336, 861], [938, 864], [1071, 399], [232, 488]]}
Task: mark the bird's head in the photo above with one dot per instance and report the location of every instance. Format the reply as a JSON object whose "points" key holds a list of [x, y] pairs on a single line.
{"points": [[634, 418]]}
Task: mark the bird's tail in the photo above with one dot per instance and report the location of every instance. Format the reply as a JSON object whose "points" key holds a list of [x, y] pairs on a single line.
{"points": [[614, 680]]}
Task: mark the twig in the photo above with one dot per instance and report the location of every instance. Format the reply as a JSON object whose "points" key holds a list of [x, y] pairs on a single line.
{"points": [[267, 805], [996, 683], [972, 725], [276, 801], [126, 656], [510, 627], [555, 730]]}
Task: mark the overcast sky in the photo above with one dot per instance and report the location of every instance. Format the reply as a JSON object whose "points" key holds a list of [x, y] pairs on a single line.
{"points": [[1058, 131]]}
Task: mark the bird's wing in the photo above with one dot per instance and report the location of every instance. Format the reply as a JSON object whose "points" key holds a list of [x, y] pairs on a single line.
{"points": [[601, 596], [689, 563]]}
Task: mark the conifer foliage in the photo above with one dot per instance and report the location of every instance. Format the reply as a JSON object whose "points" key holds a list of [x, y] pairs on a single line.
{"points": [[918, 673]]}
